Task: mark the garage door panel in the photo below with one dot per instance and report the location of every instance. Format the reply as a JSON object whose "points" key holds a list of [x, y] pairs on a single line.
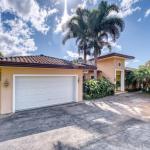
{"points": [[35, 91]]}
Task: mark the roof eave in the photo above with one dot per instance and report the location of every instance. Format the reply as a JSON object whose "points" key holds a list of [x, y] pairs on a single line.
{"points": [[114, 55], [36, 65]]}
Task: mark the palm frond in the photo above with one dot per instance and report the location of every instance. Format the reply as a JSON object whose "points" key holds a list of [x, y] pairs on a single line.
{"points": [[113, 7], [114, 21], [93, 28]]}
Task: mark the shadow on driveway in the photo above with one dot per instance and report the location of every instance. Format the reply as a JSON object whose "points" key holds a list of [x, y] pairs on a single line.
{"points": [[101, 119], [40, 120]]}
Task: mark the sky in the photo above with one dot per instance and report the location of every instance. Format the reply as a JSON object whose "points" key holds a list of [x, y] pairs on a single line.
{"points": [[34, 27]]}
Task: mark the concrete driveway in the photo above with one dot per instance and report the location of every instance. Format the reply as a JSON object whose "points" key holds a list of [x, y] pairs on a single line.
{"points": [[119, 122]]}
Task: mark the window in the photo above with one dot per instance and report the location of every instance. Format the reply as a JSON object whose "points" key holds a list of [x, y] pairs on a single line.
{"points": [[92, 77]]}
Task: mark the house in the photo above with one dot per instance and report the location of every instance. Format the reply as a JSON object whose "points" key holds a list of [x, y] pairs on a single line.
{"points": [[28, 82], [112, 67]]}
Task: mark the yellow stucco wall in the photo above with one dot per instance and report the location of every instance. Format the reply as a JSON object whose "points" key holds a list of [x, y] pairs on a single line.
{"points": [[109, 65], [6, 97], [89, 74]]}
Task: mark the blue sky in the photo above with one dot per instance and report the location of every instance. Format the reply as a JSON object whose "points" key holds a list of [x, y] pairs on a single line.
{"points": [[34, 27]]}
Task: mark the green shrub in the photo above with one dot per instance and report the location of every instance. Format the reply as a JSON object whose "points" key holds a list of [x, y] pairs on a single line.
{"points": [[94, 89], [146, 89]]}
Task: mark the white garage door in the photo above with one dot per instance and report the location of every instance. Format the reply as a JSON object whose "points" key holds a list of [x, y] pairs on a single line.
{"points": [[40, 91]]}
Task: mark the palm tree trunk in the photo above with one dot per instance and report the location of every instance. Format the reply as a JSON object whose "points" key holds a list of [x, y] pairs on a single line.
{"points": [[85, 56], [95, 62]]}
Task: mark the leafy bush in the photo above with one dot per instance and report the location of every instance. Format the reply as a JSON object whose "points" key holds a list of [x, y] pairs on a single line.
{"points": [[146, 90], [139, 79], [94, 89]]}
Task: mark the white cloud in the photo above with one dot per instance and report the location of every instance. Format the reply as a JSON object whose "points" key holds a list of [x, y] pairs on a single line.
{"points": [[139, 20], [17, 40], [131, 62], [127, 63], [61, 23], [29, 11], [72, 55], [126, 8], [147, 13], [136, 60], [83, 4], [116, 46], [128, 11], [128, 3]]}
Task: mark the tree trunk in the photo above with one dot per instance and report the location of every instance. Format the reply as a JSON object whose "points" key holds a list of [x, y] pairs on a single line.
{"points": [[85, 56], [95, 62]]}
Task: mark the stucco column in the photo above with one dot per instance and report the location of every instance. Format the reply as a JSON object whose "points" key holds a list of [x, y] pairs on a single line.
{"points": [[122, 80], [6, 91]]}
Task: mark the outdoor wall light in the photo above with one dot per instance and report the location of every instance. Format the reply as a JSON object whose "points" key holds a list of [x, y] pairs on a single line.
{"points": [[6, 83]]}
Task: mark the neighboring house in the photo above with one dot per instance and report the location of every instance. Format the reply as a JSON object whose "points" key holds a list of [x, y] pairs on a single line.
{"points": [[36, 81], [112, 67], [28, 82]]}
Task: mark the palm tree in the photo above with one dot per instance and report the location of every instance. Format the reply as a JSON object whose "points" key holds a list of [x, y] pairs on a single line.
{"points": [[103, 27], [77, 27], [94, 29]]}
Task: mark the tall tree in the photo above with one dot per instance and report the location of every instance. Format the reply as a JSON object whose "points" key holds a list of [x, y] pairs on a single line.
{"points": [[103, 27], [94, 29], [77, 27]]}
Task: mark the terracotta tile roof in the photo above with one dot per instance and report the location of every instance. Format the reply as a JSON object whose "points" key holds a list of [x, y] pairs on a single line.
{"points": [[115, 54], [40, 61]]}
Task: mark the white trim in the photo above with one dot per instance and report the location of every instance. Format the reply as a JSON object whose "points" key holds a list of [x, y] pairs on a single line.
{"points": [[44, 75], [112, 57], [123, 81], [14, 93], [122, 78]]}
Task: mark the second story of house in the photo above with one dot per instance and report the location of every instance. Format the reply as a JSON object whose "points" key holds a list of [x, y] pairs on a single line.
{"points": [[108, 64]]}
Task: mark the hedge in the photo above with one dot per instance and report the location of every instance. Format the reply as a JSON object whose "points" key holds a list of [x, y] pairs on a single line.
{"points": [[94, 89]]}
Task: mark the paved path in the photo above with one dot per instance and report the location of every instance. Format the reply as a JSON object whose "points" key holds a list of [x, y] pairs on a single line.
{"points": [[119, 122]]}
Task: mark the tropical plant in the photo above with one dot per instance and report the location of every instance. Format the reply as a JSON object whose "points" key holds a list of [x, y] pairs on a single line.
{"points": [[103, 27], [118, 85], [77, 27], [140, 76], [147, 64], [94, 28], [130, 81], [97, 88]]}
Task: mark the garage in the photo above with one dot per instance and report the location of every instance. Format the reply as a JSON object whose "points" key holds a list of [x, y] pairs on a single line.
{"points": [[33, 91], [34, 81]]}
